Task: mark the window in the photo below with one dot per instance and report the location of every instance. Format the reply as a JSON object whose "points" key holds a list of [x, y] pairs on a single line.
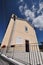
{"points": [[12, 45], [26, 29]]}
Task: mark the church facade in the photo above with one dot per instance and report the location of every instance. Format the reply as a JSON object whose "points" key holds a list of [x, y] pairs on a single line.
{"points": [[20, 35]]}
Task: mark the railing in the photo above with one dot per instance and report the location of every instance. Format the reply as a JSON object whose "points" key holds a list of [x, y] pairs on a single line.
{"points": [[34, 57]]}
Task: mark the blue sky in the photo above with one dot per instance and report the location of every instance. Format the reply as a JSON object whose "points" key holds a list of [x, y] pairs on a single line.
{"points": [[31, 10]]}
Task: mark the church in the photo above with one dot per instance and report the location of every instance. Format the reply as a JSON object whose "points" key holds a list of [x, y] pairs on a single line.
{"points": [[20, 35], [20, 42]]}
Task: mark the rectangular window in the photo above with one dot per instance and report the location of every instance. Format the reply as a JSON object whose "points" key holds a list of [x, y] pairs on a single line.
{"points": [[12, 45], [26, 29]]}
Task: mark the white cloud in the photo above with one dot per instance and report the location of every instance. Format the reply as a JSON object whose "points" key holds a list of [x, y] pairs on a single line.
{"points": [[38, 22], [20, 1], [40, 7], [33, 8], [25, 6], [25, 11], [29, 13], [21, 8]]}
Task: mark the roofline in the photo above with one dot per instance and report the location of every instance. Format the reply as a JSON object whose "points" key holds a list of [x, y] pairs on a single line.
{"points": [[25, 21], [22, 19]]}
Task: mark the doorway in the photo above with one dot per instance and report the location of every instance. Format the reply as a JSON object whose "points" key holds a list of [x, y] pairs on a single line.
{"points": [[27, 45]]}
